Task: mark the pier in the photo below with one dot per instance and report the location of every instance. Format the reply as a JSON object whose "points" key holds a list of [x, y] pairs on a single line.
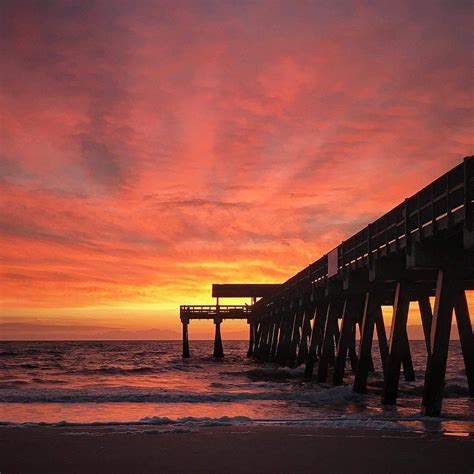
{"points": [[421, 251], [218, 313]]}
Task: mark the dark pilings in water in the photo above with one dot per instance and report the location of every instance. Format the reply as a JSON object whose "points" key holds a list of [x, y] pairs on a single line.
{"points": [[186, 352], [437, 357], [398, 345], [345, 339], [251, 339], [466, 338], [365, 349], [218, 350], [327, 355]]}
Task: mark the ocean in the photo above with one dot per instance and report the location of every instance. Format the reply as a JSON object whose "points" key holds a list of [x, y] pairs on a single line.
{"points": [[147, 382]]}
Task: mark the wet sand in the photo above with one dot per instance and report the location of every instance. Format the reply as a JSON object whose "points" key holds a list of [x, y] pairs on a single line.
{"points": [[228, 449]]}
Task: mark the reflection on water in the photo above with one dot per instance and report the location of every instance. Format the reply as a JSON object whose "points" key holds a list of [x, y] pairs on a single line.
{"points": [[86, 382]]}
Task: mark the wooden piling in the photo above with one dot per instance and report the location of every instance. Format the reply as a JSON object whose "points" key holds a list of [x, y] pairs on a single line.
{"points": [[296, 336], [186, 352], [398, 343], [218, 350], [348, 318], [306, 332], [381, 337], [251, 339], [441, 327], [365, 362], [334, 311], [319, 322], [466, 337], [426, 314]]}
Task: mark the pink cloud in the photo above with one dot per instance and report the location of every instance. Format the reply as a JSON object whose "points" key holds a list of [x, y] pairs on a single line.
{"points": [[150, 149]]}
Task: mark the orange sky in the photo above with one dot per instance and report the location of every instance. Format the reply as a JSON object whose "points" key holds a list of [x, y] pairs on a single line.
{"points": [[149, 149]]}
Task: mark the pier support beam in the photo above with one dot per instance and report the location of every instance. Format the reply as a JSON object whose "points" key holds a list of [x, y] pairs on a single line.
{"points": [[306, 332], [466, 338], [426, 314], [186, 352], [381, 337], [319, 322], [251, 339], [372, 305], [331, 328], [296, 335], [345, 339], [285, 340], [398, 345], [218, 351], [446, 292]]}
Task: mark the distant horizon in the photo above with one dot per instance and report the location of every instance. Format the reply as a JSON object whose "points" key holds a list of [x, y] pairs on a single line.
{"points": [[415, 333]]}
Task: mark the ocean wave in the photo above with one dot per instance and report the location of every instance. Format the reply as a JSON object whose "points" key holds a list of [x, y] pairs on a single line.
{"points": [[416, 423], [111, 395], [117, 371], [8, 354], [49, 381], [197, 421], [451, 390]]}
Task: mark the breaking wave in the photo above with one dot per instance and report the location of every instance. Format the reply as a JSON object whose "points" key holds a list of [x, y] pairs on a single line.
{"points": [[113, 395]]}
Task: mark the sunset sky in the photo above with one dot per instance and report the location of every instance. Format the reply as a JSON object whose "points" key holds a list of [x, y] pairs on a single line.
{"points": [[149, 149]]}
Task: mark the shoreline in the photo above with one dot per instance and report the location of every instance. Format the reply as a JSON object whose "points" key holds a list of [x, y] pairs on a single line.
{"points": [[238, 448]]}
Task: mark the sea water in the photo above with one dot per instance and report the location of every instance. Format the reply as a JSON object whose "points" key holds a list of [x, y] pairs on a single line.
{"points": [[147, 382]]}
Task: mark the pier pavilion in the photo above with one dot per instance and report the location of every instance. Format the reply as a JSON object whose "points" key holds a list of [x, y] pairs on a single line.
{"points": [[218, 313]]}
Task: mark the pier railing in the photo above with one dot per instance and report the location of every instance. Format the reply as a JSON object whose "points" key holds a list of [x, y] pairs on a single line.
{"points": [[446, 202], [215, 311]]}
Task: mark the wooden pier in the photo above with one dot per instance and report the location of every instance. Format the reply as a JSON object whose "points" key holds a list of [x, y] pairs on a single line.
{"points": [[219, 313], [421, 251]]}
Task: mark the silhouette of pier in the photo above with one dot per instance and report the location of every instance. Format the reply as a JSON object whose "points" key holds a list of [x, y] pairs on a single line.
{"points": [[422, 252], [219, 313]]}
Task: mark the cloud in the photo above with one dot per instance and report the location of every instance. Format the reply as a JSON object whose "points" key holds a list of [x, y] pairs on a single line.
{"points": [[150, 149]]}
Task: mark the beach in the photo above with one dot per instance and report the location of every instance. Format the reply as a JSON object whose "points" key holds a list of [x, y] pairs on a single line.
{"points": [[136, 407], [217, 449]]}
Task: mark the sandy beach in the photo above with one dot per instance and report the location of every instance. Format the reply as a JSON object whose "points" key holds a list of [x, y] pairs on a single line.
{"points": [[243, 449]]}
